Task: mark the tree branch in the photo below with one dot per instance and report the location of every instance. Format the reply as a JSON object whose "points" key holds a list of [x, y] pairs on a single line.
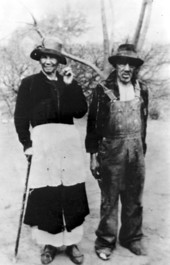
{"points": [[35, 24], [7, 103], [87, 63]]}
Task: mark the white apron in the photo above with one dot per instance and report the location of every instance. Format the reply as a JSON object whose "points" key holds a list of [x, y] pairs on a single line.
{"points": [[57, 156]]}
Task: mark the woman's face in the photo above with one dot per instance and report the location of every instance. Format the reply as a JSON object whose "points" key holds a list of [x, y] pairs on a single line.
{"points": [[49, 64]]}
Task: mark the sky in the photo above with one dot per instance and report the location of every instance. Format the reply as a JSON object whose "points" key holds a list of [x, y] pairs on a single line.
{"points": [[13, 14]]}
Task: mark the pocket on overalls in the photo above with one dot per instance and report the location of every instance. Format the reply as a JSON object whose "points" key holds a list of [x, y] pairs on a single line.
{"points": [[103, 148]]}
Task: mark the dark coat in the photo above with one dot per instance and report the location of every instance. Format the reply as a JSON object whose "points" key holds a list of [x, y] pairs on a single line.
{"points": [[99, 110], [42, 101]]}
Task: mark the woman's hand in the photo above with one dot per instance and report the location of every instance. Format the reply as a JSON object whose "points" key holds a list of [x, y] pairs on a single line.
{"points": [[29, 153], [67, 75]]}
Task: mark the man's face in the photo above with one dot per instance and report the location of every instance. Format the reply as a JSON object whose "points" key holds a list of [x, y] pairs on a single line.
{"points": [[125, 72], [49, 64]]}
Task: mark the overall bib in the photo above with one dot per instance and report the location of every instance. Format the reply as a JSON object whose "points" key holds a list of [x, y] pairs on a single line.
{"points": [[122, 172]]}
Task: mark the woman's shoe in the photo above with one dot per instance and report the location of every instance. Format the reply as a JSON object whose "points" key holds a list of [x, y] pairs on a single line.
{"points": [[48, 254], [74, 254]]}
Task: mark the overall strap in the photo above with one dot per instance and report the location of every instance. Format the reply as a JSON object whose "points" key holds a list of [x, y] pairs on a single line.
{"points": [[108, 92], [137, 89]]}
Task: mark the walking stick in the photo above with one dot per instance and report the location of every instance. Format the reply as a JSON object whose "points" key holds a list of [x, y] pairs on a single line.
{"points": [[23, 207]]}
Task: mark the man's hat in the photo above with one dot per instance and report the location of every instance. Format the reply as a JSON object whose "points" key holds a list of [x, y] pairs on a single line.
{"points": [[50, 46], [126, 53]]}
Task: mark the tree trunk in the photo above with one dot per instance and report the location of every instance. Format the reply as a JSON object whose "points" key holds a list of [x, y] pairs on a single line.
{"points": [[145, 26], [111, 46], [140, 23], [105, 37]]}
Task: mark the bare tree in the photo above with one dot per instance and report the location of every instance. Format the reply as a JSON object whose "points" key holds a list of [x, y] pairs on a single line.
{"points": [[157, 58], [13, 67]]}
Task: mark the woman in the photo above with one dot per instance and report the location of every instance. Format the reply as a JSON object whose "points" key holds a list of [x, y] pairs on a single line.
{"points": [[57, 203]]}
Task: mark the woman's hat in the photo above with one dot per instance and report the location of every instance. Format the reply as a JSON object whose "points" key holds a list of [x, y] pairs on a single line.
{"points": [[126, 53], [50, 46]]}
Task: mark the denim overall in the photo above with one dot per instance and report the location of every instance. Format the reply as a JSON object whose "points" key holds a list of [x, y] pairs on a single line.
{"points": [[122, 172]]}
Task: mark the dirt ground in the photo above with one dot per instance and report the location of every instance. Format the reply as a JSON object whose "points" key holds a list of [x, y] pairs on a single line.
{"points": [[156, 202]]}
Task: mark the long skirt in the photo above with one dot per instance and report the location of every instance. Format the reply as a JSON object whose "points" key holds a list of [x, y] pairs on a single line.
{"points": [[57, 166]]}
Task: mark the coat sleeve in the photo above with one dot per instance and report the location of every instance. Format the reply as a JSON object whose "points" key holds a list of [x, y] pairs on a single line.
{"points": [[92, 136], [144, 114], [22, 115], [78, 104]]}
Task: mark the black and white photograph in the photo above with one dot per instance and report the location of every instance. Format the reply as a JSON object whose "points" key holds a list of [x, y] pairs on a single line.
{"points": [[85, 132]]}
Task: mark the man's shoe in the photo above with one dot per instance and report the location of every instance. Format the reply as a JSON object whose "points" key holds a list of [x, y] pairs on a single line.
{"points": [[136, 247], [48, 254], [74, 254], [104, 253]]}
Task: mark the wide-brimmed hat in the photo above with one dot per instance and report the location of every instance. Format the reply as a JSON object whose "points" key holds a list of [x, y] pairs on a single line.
{"points": [[126, 53], [50, 46]]}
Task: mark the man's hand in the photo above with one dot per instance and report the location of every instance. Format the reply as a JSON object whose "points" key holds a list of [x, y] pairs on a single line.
{"points": [[94, 166], [67, 75], [29, 153]]}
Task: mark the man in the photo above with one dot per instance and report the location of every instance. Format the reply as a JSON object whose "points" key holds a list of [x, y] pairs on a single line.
{"points": [[57, 202], [116, 132]]}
